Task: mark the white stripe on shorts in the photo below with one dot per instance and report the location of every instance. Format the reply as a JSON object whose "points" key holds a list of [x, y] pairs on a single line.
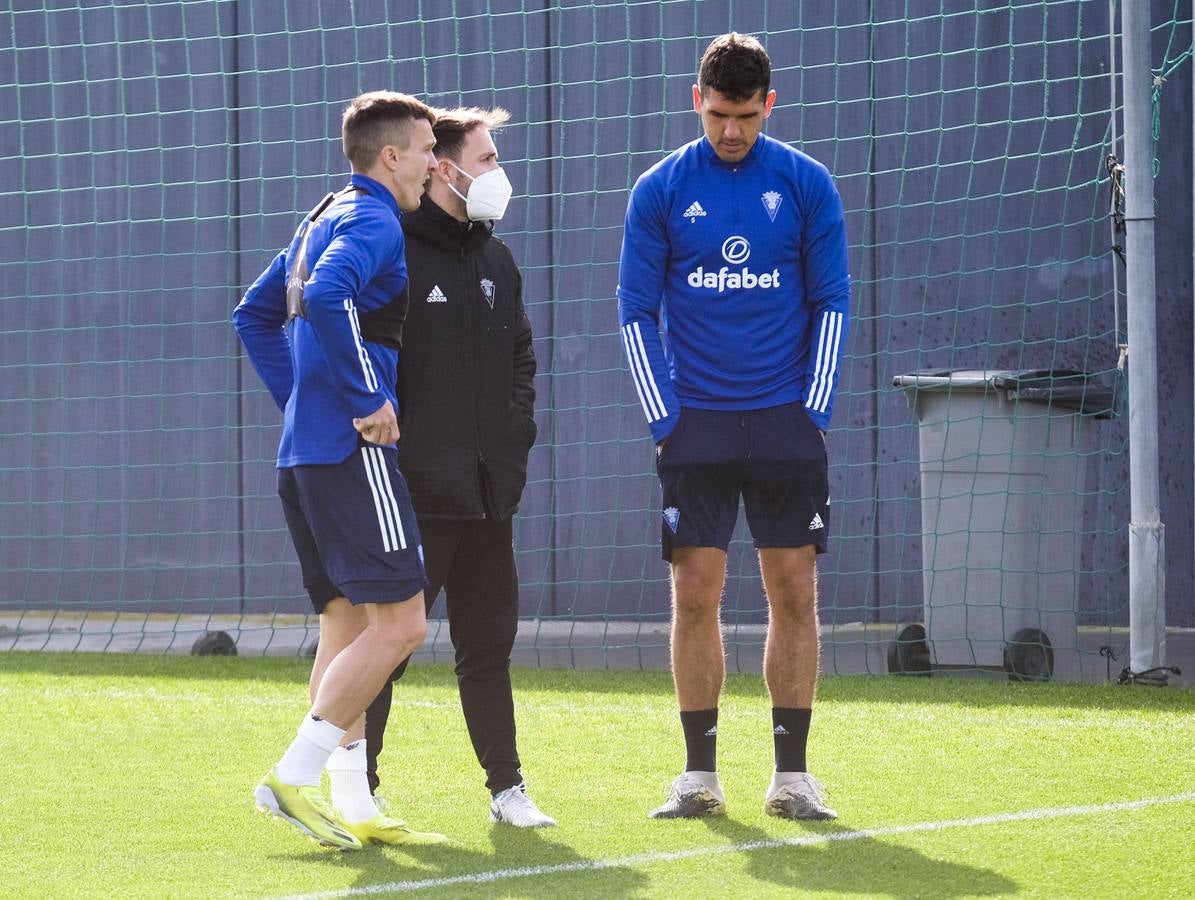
{"points": [[389, 521], [388, 496]]}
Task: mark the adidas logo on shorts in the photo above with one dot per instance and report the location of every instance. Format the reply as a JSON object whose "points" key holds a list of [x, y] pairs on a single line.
{"points": [[816, 524], [694, 211], [437, 295]]}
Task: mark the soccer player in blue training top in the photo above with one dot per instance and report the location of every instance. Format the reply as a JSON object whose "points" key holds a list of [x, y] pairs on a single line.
{"points": [[322, 327], [735, 250]]}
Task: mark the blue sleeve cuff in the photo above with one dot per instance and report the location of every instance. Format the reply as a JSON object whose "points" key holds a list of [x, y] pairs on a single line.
{"points": [[821, 420], [664, 427]]}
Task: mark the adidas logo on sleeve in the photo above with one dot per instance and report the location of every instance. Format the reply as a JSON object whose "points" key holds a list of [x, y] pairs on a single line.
{"points": [[437, 295]]}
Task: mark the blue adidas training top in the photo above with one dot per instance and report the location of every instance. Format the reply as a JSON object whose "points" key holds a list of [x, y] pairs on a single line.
{"points": [[733, 285], [319, 369]]}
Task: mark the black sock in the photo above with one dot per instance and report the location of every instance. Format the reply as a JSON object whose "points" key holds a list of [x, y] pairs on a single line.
{"points": [[701, 739], [790, 732]]}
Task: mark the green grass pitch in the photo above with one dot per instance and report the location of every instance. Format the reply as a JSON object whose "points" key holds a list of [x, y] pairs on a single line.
{"points": [[131, 776]]}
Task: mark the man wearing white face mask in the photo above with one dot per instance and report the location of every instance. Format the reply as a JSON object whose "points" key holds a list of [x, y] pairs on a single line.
{"points": [[467, 400]]}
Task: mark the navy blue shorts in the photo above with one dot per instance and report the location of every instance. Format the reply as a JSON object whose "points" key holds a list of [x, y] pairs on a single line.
{"points": [[774, 459], [354, 529]]}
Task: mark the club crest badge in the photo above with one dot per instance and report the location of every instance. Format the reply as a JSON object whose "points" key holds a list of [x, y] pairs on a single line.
{"points": [[771, 203], [672, 517], [487, 288]]}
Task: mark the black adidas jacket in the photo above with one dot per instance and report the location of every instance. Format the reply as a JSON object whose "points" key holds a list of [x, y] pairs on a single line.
{"points": [[465, 371]]}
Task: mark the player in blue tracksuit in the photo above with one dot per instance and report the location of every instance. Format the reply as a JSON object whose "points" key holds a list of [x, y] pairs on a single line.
{"points": [[733, 296], [322, 326]]}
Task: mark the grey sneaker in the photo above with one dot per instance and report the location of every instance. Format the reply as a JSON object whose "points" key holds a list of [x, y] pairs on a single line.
{"points": [[693, 796], [513, 807], [797, 795]]}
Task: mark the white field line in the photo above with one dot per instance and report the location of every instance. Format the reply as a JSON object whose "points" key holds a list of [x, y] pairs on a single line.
{"points": [[643, 859], [825, 712]]}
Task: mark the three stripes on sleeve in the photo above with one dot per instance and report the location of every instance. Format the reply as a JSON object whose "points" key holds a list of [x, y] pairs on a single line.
{"points": [[819, 391]]}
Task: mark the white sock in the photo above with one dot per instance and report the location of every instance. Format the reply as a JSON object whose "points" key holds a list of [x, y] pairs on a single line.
{"points": [[779, 778], [350, 785], [304, 759]]}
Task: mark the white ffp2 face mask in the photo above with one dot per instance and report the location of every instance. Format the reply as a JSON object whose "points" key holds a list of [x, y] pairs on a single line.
{"points": [[488, 194]]}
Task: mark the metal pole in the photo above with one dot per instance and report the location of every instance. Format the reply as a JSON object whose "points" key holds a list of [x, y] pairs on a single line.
{"points": [[1147, 559]]}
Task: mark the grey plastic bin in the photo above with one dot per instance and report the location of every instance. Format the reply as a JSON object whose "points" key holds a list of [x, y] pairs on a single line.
{"points": [[1002, 473]]}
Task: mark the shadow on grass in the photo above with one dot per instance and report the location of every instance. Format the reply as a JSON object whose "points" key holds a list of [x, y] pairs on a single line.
{"points": [[292, 669], [858, 865], [970, 693], [393, 869], [977, 692], [143, 665], [846, 865]]}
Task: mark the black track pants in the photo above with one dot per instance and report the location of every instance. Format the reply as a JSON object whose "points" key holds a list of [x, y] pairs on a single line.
{"points": [[473, 561]]}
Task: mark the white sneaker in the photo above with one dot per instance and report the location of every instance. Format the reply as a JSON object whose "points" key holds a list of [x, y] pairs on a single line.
{"points": [[514, 807], [797, 795], [694, 795]]}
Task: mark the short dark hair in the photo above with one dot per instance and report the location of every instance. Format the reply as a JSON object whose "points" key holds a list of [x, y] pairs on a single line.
{"points": [[736, 66], [375, 119], [453, 125]]}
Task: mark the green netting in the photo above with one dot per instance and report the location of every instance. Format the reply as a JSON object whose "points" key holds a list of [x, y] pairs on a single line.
{"points": [[155, 154]]}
